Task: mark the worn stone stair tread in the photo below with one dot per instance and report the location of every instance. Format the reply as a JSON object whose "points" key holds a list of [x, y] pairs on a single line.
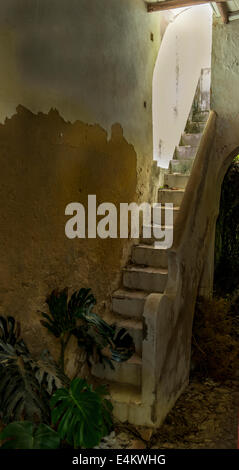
{"points": [[125, 393], [200, 116], [202, 123], [187, 152], [130, 294], [169, 190], [150, 247], [178, 175], [129, 302], [184, 165], [127, 323], [146, 254], [174, 208], [182, 160], [146, 269], [192, 134], [194, 127], [176, 180], [158, 226]]}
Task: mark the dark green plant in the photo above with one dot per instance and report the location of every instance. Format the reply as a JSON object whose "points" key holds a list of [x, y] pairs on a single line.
{"points": [[48, 374], [75, 317], [82, 415], [20, 393], [27, 435], [9, 330], [62, 317], [25, 383]]}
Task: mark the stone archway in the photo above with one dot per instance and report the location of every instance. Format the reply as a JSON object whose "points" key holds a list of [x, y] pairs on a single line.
{"points": [[226, 278]]}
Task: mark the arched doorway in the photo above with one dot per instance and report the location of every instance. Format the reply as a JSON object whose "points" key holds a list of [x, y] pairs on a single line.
{"points": [[226, 279]]}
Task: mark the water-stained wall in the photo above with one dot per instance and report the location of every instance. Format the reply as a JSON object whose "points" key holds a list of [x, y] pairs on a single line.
{"points": [[92, 62]]}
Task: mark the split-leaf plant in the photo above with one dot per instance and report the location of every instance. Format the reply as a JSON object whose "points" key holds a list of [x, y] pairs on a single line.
{"points": [[27, 435], [25, 383], [94, 335], [82, 415]]}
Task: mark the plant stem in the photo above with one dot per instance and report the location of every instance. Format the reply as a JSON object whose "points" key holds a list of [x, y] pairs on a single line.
{"points": [[62, 354]]}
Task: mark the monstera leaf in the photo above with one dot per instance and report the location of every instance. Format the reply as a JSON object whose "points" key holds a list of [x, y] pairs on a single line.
{"points": [[83, 415], [25, 382], [81, 302], [122, 347], [94, 335], [26, 435], [9, 330], [63, 314], [48, 374], [19, 390], [58, 321]]}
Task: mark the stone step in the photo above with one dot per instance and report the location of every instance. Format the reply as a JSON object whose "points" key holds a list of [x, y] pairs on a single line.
{"points": [[183, 152], [194, 127], [148, 279], [191, 139], [172, 196], [128, 302], [124, 372], [125, 393], [200, 116], [150, 256], [183, 167], [135, 329], [128, 406], [176, 180], [127, 403], [154, 233], [158, 217]]}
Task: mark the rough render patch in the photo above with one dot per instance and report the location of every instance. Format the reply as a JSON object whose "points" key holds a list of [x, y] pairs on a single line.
{"points": [[45, 164]]}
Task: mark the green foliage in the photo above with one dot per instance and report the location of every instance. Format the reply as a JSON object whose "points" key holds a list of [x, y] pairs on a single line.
{"points": [[214, 348], [9, 330], [25, 383], [63, 314], [20, 393], [48, 374], [83, 416], [26, 435], [75, 317]]}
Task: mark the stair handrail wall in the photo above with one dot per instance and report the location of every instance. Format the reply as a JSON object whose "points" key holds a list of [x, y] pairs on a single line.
{"points": [[196, 181], [168, 317]]}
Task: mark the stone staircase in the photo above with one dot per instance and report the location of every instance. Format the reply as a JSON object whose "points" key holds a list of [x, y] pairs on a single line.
{"points": [[147, 273]]}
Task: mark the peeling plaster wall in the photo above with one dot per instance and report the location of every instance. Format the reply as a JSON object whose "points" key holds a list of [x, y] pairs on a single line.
{"points": [[40, 174], [93, 62], [225, 85], [185, 50]]}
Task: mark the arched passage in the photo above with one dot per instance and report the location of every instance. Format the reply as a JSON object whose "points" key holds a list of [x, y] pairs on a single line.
{"points": [[226, 278]]}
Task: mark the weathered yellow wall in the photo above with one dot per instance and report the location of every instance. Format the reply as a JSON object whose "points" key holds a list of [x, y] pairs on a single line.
{"points": [[93, 62], [45, 164]]}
